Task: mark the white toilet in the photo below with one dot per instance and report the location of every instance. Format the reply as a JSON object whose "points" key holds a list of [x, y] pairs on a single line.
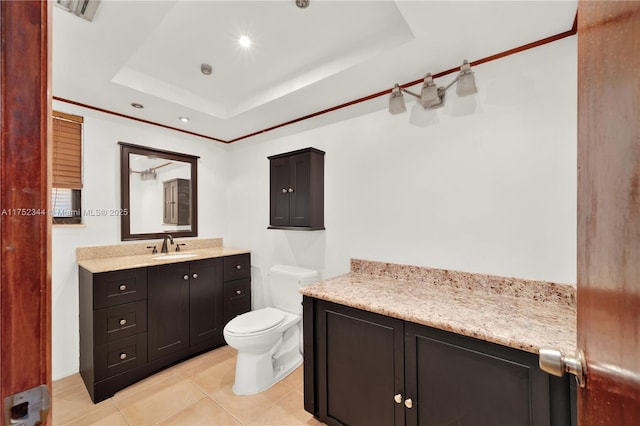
{"points": [[269, 340]]}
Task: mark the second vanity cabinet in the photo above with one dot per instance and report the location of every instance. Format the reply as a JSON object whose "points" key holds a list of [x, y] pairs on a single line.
{"points": [[134, 322], [367, 369]]}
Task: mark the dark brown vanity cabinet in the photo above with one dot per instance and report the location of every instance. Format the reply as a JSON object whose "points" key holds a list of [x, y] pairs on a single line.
{"points": [[185, 306], [366, 369], [135, 322], [297, 190], [177, 202]]}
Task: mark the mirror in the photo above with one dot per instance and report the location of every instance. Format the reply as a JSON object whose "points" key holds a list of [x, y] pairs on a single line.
{"points": [[159, 190]]}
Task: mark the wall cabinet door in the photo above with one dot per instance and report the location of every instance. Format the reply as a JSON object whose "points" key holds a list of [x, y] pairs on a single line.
{"points": [[168, 306], [206, 302], [297, 190]]}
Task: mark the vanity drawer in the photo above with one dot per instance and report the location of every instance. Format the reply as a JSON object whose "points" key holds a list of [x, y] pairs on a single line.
{"points": [[237, 298], [120, 356], [117, 287], [237, 290], [237, 266], [118, 322]]}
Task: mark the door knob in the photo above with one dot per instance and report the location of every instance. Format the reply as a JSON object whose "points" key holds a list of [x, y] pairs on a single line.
{"points": [[195, 276], [553, 362], [290, 189], [398, 398], [185, 277], [284, 190], [408, 403]]}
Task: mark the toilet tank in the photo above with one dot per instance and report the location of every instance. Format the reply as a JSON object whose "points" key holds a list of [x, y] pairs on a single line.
{"points": [[285, 281]]}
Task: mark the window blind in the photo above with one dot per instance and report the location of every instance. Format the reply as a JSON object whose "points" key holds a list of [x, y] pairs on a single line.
{"points": [[67, 151]]}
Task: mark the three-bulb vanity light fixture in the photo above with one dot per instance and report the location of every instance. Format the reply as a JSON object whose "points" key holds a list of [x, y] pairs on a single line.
{"points": [[432, 96]]}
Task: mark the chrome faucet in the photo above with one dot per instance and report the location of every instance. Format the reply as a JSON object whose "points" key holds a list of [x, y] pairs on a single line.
{"points": [[164, 243]]}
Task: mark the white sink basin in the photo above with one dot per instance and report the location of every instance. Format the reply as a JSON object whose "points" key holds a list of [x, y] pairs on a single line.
{"points": [[174, 256]]}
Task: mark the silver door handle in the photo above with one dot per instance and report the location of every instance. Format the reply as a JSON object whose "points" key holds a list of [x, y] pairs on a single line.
{"points": [[553, 362]]}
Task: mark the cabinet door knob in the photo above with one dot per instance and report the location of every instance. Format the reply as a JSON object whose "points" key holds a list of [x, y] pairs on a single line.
{"points": [[238, 266], [238, 291], [185, 277], [123, 321], [290, 189], [408, 403], [123, 355], [284, 190], [398, 398], [195, 276], [123, 287]]}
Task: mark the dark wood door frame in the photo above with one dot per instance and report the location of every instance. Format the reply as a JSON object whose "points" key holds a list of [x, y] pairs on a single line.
{"points": [[25, 227], [609, 211]]}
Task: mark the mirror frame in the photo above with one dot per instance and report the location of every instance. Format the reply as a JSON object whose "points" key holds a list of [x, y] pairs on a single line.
{"points": [[125, 222]]}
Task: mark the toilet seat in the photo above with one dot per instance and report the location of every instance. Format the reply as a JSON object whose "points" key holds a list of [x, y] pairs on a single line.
{"points": [[254, 322]]}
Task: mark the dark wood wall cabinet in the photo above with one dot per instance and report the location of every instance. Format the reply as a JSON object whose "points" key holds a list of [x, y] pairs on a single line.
{"points": [[135, 322], [297, 190], [366, 369], [177, 202]]}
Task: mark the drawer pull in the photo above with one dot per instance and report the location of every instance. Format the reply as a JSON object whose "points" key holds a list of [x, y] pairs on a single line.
{"points": [[123, 287], [185, 277], [123, 321], [398, 398], [123, 355], [238, 291], [195, 276], [408, 403], [238, 266]]}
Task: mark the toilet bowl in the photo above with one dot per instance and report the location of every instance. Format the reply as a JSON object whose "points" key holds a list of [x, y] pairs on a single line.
{"points": [[269, 340]]}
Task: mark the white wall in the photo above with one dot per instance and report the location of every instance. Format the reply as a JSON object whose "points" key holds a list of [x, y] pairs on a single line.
{"points": [[101, 190], [492, 192]]}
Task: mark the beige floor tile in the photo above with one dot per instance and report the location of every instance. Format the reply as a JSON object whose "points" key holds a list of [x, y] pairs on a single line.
{"points": [[248, 407], [72, 402], [287, 411], [159, 402], [150, 382], [106, 414], [216, 376], [204, 412], [203, 362], [295, 380], [66, 384]]}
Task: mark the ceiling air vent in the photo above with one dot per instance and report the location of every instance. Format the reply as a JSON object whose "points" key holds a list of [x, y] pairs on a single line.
{"points": [[85, 9]]}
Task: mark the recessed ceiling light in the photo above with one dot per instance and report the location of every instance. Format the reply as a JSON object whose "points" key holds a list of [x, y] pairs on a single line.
{"points": [[206, 69], [137, 105], [245, 41], [184, 119]]}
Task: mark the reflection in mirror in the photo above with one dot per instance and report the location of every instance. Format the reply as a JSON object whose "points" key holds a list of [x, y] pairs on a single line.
{"points": [[159, 191]]}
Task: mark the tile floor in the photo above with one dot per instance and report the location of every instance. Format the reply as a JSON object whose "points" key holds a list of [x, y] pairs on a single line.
{"points": [[195, 392]]}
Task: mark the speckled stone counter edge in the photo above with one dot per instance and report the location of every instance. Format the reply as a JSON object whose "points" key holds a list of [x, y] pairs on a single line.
{"points": [[506, 286], [132, 249]]}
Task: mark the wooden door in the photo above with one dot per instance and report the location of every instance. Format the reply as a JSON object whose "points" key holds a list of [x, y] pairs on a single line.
{"points": [[609, 211], [25, 227], [205, 302], [168, 309]]}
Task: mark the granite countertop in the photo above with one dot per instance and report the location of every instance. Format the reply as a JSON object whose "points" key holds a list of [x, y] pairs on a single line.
{"points": [[129, 256], [521, 314]]}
